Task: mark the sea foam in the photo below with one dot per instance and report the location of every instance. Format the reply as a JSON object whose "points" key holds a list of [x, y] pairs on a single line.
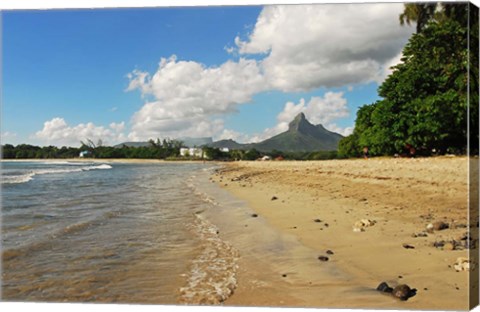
{"points": [[28, 176]]}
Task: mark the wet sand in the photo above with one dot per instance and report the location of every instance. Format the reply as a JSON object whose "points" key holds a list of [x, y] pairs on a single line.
{"points": [[314, 206]]}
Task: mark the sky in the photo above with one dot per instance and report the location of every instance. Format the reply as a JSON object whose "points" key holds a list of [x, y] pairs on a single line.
{"points": [[227, 72]]}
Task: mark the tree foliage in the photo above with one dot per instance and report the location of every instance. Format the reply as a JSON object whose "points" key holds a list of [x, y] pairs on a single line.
{"points": [[424, 101]]}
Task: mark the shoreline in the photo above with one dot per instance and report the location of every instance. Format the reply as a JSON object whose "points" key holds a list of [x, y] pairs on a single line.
{"points": [[318, 203], [107, 160]]}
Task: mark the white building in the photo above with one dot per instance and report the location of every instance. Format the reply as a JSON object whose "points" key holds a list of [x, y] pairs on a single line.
{"points": [[192, 152], [224, 149]]}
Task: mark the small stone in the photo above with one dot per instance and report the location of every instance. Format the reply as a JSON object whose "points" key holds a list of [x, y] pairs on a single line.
{"points": [[274, 198], [440, 225], [403, 292], [407, 246], [284, 275], [254, 215], [317, 220], [449, 246], [329, 252], [439, 244], [400, 276], [326, 225], [323, 258], [383, 287]]}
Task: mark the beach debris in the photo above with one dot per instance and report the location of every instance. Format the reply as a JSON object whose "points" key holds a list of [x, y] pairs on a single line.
{"points": [[360, 226], [402, 291], [323, 258], [407, 246], [383, 287], [274, 198], [254, 215], [449, 246], [439, 244], [453, 244], [421, 234], [462, 264], [329, 252], [436, 226]]}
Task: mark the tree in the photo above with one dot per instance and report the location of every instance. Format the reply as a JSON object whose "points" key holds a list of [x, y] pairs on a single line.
{"points": [[420, 13], [425, 98]]}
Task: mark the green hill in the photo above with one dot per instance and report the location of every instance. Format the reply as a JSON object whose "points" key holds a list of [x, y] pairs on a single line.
{"points": [[301, 136]]}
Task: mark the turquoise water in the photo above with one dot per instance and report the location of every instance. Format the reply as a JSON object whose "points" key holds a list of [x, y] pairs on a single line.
{"points": [[107, 232]]}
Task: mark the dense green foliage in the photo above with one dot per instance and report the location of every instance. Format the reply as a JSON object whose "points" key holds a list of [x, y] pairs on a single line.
{"points": [[156, 150], [425, 99]]}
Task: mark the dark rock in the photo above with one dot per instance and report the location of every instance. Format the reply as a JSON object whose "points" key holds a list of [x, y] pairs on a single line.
{"points": [[407, 246], [440, 225], [274, 197], [326, 224], [329, 252], [403, 292], [323, 258], [317, 220], [439, 244], [383, 287], [284, 275], [254, 215]]}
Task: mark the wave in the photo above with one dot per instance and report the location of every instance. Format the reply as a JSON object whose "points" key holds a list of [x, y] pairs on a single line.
{"points": [[212, 276], [28, 176]]}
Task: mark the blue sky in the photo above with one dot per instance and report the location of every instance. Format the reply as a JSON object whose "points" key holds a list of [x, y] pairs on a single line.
{"points": [[227, 72]]}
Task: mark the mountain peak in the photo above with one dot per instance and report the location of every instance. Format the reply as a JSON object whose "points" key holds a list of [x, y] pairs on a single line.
{"points": [[299, 122]]}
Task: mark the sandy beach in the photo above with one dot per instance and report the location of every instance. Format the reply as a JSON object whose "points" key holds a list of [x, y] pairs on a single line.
{"points": [[317, 205]]}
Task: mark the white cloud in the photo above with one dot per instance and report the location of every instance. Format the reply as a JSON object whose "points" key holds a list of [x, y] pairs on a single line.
{"points": [[7, 137], [187, 94], [57, 132], [296, 48], [309, 46]]}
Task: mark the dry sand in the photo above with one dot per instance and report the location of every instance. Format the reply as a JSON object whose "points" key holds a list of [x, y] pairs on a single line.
{"points": [[401, 195]]}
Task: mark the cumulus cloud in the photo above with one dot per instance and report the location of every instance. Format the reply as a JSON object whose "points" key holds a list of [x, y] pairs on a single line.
{"points": [[57, 132], [309, 46], [186, 94], [318, 110], [290, 48]]}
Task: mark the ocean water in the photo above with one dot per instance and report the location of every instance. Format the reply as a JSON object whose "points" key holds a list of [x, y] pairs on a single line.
{"points": [[111, 232]]}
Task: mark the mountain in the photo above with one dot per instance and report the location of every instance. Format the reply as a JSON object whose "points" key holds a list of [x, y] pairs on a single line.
{"points": [[301, 136], [132, 144], [230, 144], [187, 142], [193, 142]]}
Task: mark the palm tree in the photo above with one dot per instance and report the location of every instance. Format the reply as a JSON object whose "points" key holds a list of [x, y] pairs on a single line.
{"points": [[420, 13]]}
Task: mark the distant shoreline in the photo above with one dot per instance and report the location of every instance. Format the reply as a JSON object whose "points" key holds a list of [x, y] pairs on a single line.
{"points": [[104, 160]]}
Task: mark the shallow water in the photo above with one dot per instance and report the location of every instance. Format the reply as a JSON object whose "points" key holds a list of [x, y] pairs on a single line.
{"points": [[107, 233]]}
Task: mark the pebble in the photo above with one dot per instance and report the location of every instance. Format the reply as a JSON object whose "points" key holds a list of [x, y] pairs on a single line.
{"points": [[407, 246], [329, 252], [317, 220], [449, 246], [254, 215], [323, 258], [403, 292], [274, 198], [439, 225], [383, 287]]}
